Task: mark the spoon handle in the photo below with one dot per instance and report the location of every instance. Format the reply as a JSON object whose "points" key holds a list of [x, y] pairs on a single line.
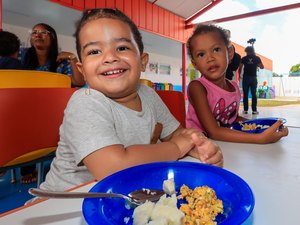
{"points": [[59, 194]]}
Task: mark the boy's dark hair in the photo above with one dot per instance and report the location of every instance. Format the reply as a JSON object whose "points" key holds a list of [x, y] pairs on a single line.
{"points": [[31, 60], [9, 43], [207, 28], [94, 14]]}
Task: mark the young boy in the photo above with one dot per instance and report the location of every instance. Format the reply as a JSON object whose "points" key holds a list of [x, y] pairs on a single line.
{"points": [[109, 126], [9, 49]]}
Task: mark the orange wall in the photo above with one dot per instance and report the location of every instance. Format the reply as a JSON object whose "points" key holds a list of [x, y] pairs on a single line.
{"points": [[268, 63]]}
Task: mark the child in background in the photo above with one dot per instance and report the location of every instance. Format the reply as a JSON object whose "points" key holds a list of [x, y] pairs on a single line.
{"points": [[9, 49], [214, 100], [108, 126]]}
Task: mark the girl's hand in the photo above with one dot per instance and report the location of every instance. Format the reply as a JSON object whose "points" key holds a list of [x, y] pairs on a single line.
{"points": [[274, 133]]}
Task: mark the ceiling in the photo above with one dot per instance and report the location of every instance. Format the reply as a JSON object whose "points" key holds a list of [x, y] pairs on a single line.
{"points": [[184, 8], [26, 13]]}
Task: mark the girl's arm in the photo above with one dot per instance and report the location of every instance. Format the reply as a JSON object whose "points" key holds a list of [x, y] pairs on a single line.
{"points": [[198, 98]]}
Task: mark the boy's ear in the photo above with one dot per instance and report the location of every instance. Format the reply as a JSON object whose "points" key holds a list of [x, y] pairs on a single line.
{"points": [[79, 67], [144, 60]]}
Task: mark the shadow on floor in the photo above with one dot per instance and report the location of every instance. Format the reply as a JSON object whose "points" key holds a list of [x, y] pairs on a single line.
{"points": [[14, 195]]}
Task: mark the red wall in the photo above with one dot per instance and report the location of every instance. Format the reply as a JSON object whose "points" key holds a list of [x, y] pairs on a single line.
{"points": [[145, 15]]}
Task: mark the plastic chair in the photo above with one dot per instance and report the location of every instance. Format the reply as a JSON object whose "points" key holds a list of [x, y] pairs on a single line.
{"points": [[32, 79], [175, 103], [30, 119]]}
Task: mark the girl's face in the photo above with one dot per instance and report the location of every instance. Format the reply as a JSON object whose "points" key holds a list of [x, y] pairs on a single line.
{"points": [[40, 37], [111, 62], [210, 55]]}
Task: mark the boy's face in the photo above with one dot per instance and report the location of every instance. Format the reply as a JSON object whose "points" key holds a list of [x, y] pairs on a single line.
{"points": [[210, 55], [111, 62]]}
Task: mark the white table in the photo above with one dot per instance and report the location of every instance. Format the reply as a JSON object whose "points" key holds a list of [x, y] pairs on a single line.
{"points": [[272, 171]]}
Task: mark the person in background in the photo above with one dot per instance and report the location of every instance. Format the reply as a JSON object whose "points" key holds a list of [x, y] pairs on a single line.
{"points": [[9, 50], [249, 65], [43, 55], [233, 64], [112, 124], [214, 100]]}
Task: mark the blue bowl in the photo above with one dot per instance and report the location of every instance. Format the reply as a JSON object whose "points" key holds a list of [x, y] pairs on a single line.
{"points": [[237, 197], [262, 124]]}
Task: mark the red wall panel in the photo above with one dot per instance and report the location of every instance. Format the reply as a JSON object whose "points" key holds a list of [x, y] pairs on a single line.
{"points": [[100, 4], [166, 23], [149, 16], [120, 5], [110, 4], [68, 2], [89, 4], [144, 14], [78, 4], [128, 8], [135, 13], [155, 19], [161, 19], [172, 23]]}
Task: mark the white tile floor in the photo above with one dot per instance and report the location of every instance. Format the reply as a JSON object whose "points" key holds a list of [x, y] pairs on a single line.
{"points": [[290, 112]]}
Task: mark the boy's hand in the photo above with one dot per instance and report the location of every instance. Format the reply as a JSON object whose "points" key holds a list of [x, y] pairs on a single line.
{"points": [[206, 150]]}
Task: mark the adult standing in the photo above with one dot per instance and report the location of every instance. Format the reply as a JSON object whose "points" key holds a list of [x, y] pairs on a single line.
{"points": [[43, 55], [249, 65]]}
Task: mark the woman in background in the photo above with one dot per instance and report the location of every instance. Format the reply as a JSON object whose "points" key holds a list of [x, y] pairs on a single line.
{"points": [[43, 56]]}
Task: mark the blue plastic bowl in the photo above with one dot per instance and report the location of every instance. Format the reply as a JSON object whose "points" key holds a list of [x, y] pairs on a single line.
{"points": [[237, 197], [262, 123]]}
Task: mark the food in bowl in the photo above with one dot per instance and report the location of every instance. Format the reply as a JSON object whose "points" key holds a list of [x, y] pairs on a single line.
{"points": [[202, 205], [236, 195], [201, 208], [253, 126]]}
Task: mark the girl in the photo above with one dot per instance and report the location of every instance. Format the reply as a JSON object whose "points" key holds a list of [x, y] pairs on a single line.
{"points": [[214, 100]]}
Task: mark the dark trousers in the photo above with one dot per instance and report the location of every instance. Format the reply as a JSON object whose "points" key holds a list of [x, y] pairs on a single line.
{"points": [[250, 82]]}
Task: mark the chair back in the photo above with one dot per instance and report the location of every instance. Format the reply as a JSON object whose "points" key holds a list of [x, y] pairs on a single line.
{"points": [[175, 103], [32, 79], [30, 119]]}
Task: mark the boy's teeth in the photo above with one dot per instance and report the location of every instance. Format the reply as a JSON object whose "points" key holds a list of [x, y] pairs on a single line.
{"points": [[113, 72]]}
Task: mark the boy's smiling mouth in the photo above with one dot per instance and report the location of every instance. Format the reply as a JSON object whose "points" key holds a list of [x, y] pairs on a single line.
{"points": [[113, 72]]}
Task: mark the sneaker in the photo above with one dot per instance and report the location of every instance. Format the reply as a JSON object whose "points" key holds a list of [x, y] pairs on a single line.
{"points": [[254, 113], [245, 112]]}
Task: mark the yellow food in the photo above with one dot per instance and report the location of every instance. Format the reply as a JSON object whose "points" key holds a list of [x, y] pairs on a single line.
{"points": [[202, 205], [248, 126]]}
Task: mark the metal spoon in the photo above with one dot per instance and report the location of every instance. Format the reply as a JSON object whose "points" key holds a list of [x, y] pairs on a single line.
{"points": [[136, 198]]}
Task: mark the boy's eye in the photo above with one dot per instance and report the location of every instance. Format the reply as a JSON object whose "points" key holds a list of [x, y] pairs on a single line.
{"points": [[123, 48], [94, 52]]}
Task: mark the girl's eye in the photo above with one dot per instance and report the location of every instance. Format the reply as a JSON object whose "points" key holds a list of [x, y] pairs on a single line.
{"points": [[201, 55], [94, 52], [217, 49]]}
